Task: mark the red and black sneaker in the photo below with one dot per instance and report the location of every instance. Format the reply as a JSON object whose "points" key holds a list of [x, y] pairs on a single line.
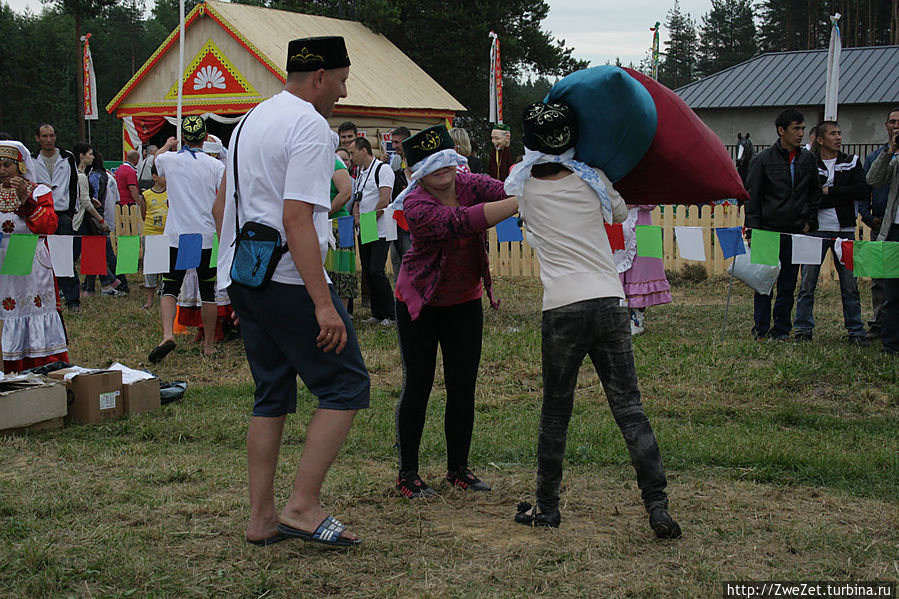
{"points": [[466, 480], [410, 485]]}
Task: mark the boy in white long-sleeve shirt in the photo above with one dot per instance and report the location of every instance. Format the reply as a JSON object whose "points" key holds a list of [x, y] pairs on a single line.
{"points": [[565, 205]]}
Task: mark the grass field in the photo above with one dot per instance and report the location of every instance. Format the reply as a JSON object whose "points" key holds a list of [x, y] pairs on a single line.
{"points": [[782, 459]]}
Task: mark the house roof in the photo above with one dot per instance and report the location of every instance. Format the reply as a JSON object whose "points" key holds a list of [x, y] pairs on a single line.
{"points": [[867, 76], [381, 76]]}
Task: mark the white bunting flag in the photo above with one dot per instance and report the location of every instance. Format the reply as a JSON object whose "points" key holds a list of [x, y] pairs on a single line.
{"points": [[156, 254], [806, 250], [689, 243], [390, 224], [61, 255]]}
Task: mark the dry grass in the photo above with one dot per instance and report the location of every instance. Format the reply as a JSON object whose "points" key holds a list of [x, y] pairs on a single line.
{"points": [[782, 464]]}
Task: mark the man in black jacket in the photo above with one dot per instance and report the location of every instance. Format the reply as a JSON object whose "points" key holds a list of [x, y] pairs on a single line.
{"points": [[784, 193], [843, 184]]}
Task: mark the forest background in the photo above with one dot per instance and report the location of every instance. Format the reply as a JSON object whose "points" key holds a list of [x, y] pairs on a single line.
{"points": [[40, 72]]}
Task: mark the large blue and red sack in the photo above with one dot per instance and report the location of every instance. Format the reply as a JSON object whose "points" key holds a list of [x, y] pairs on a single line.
{"points": [[646, 139]]}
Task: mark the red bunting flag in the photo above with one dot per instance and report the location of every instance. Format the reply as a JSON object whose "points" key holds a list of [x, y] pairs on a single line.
{"points": [[846, 258], [616, 236], [93, 255], [400, 217]]}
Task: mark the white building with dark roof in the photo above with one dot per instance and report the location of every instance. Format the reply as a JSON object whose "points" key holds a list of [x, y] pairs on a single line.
{"points": [[748, 97]]}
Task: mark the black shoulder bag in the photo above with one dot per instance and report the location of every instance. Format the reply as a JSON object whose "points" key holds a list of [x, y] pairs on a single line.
{"points": [[257, 247]]}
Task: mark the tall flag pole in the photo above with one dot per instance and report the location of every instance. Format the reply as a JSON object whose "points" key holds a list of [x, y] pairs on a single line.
{"points": [[655, 51], [91, 112], [496, 81], [833, 71], [180, 66]]}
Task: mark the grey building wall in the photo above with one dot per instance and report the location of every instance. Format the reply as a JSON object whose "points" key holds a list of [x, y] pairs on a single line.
{"points": [[860, 123]]}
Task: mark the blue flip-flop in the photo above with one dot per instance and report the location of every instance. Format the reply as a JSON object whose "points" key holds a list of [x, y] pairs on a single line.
{"points": [[275, 538], [327, 533]]}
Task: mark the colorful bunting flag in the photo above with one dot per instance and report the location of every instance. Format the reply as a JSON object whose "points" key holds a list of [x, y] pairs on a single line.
{"points": [[400, 217], [190, 248], [19, 258], [765, 248], [846, 251], [508, 230], [390, 233], [368, 227], [731, 241], [345, 231], [649, 241], [156, 254], [127, 254], [615, 234], [93, 255], [61, 255], [806, 250], [214, 257]]}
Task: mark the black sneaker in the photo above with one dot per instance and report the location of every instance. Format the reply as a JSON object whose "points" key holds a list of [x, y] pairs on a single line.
{"points": [[466, 480], [859, 340], [802, 337], [663, 524], [528, 515], [410, 485]]}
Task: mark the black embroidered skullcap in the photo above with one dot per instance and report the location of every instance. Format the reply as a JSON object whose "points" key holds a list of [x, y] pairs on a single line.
{"points": [[549, 128], [427, 142], [314, 53], [193, 128]]}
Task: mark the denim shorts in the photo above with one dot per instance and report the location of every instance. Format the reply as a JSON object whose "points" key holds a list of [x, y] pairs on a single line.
{"points": [[279, 329]]}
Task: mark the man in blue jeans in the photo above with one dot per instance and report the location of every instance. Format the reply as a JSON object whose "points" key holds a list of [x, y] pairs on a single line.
{"points": [[885, 170], [784, 193], [584, 310], [842, 185]]}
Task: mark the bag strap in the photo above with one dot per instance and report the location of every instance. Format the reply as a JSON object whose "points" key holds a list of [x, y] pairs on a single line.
{"points": [[237, 175]]}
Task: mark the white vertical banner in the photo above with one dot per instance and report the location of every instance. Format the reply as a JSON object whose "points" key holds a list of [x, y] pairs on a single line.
{"points": [[61, 255], [496, 81], [180, 67], [832, 90], [91, 112], [389, 224]]}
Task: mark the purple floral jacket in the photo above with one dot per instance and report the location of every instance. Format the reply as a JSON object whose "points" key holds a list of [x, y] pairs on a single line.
{"points": [[432, 228]]}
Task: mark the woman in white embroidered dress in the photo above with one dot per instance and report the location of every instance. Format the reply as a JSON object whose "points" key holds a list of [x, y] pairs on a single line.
{"points": [[33, 333]]}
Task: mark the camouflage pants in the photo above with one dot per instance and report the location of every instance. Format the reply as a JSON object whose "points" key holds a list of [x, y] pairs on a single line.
{"points": [[599, 328]]}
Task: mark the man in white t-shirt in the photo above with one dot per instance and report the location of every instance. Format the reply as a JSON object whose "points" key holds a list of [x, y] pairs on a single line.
{"points": [[281, 160], [192, 181], [371, 191], [842, 185]]}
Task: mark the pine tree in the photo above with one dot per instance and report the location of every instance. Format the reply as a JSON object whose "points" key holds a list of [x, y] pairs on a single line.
{"points": [[727, 36], [679, 66]]}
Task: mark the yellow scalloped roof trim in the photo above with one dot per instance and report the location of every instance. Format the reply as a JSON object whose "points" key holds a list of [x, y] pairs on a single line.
{"points": [[190, 74]]}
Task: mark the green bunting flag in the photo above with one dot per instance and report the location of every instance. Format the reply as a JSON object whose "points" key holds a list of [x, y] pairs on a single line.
{"points": [[19, 255], [128, 252], [368, 227], [876, 259], [649, 241], [765, 248], [214, 259]]}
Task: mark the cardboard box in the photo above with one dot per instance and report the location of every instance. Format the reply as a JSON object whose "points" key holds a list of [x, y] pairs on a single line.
{"points": [[31, 403], [94, 395], [141, 396]]}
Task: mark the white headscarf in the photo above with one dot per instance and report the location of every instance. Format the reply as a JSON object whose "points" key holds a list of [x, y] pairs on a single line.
{"points": [[520, 173], [425, 167]]}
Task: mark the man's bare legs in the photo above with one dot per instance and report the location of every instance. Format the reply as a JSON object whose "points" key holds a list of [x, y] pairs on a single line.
{"points": [[209, 314], [324, 437], [167, 308]]}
